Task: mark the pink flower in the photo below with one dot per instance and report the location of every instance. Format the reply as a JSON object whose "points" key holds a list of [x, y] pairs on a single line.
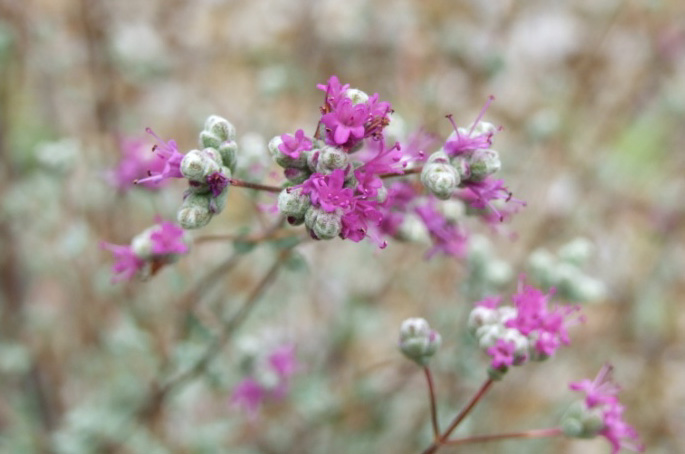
{"points": [[283, 361], [534, 316], [217, 182], [461, 143], [136, 161], [292, 146], [249, 395], [328, 191], [601, 393], [447, 237], [126, 264], [334, 92], [346, 122], [502, 353], [491, 302], [169, 156], [168, 239], [480, 194]]}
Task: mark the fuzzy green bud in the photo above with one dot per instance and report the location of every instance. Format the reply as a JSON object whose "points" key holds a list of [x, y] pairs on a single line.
{"points": [[323, 225], [220, 127], [195, 211], [418, 341], [198, 164], [356, 96], [331, 158], [483, 163], [440, 179], [579, 421], [228, 151], [292, 203]]}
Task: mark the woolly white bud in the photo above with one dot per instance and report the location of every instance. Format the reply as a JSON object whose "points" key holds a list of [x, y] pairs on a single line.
{"points": [[198, 164], [292, 203], [440, 179], [220, 127], [228, 151], [195, 211], [357, 96], [418, 341], [481, 316], [323, 225], [483, 163], [331, 158]]}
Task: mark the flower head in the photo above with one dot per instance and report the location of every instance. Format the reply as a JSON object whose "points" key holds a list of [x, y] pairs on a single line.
{"points": [[292, 146], [169, 156], [478, 137], [601, 398], [136, 161], [167, 238], [126, 264]]}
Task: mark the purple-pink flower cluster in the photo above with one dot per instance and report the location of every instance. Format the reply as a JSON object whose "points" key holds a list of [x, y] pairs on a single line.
{"points": [[601, 398], [530, 329], [269, 381], [153, 248], [338, 177]]}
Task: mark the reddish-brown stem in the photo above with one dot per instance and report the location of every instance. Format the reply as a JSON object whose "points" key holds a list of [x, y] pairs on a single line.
{"points": [[539, 433], [250, 185], [431, 394], [406, 172], [460, 417]]}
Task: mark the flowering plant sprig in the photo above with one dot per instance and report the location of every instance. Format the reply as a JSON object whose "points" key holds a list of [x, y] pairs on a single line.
{"points": [[531, 329], [149, 251]]}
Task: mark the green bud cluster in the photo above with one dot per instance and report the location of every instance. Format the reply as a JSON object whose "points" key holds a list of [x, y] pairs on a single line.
{"points": [[215, 159], [418, 341], [564, 272]]}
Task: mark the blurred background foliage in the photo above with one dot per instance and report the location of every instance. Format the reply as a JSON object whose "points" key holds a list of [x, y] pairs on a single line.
{"points": [[591, 96]]}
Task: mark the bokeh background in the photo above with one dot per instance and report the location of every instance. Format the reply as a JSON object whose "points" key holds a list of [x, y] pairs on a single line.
{"points": [[591, 97]]}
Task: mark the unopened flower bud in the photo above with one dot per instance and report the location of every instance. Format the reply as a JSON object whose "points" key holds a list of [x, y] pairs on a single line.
{"points": [[440, 179], [331, 158], [579, 421], [577, 252], [220, 127], [292, 203], [228, 151], [356, 96], [210, 140], [418, 341], [481, 316], [195, 212], [487, 335], [438, 157], [323, 225], [297, 176], [483, 163], [198, 164]]}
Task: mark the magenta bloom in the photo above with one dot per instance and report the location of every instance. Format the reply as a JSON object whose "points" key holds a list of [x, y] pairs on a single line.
{"points": [[126, 264], [328, 191], [533, 315], [283, 361], [602, 393], [168, 154], [335, 92], [491, 302], [168, 239], [346, 122], [217, 183], [502, 353], [136, 161], [480, 194], [463, 143], [292, 146], [447, 237], [249, 395]]}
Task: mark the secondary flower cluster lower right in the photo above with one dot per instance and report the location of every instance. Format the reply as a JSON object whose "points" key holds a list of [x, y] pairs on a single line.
{"points": [[530, 329]]}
